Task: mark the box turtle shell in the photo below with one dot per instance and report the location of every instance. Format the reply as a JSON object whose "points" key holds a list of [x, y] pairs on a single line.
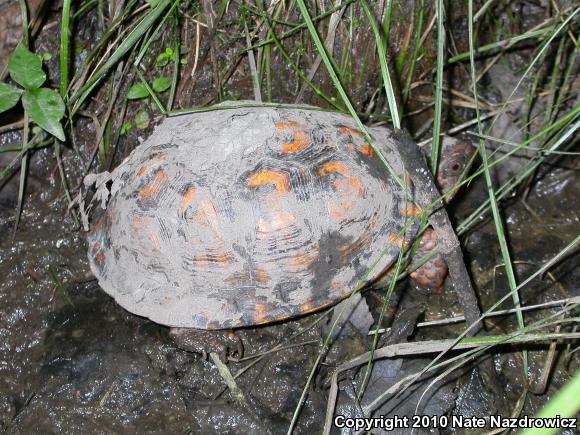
{"points": [[244, 216]]}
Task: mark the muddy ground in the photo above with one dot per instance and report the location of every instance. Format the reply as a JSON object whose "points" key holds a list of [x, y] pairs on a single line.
{"points": [[72, 361]]}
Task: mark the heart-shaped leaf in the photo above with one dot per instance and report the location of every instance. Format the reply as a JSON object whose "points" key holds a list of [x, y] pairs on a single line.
{"points": [[46, 108], [161, 84], [137, 91], [26, 68], [9, 96]]}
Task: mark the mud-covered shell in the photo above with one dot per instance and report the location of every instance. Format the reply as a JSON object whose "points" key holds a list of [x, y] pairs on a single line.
{"points": [[248, 215]]}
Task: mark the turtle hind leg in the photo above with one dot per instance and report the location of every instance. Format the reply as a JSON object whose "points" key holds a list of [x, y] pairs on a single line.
{"points": [[223, 342]]}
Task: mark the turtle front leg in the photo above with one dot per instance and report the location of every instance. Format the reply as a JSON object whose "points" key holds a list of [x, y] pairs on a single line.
{"points": [[427, 193], [433, 272], [225, 343], [455, 158]]}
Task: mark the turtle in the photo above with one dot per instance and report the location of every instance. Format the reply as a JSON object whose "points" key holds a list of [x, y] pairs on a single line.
{"points": [[246, 214]]}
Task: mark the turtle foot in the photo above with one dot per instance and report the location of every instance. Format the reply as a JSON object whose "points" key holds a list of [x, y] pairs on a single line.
{"points": [[432, 274], [225, 343]]}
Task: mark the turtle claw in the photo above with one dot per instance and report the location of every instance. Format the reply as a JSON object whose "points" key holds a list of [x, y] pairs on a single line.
{"points": [[224, 343]]}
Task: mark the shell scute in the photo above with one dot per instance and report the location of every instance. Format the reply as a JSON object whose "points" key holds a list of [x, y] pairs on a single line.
{"points": [[247, 216]]}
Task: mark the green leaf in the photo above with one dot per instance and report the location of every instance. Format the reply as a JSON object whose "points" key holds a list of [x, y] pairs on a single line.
{"points": [[161, 84], [162, 60], [125, 129], [137, 91], [26, 68], [167, 56], [142, 120], [9, 96], [46, 108]]}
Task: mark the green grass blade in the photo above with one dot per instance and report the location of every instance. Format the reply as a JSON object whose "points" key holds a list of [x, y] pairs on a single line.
{"points": [[382, 51], [176, 63], [340, 88], [565, 404], [127, 44], [293, 65], [501, 44], [546, 45], [497, 218], [64, 48], [438, 86], [418, 32], [388, 20], [504, 190]]}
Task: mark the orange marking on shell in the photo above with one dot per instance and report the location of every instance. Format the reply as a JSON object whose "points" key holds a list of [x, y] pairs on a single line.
{"points": [[280, 179], [141, 231], [187, 199], [260, 313], [367, 150], [152, 189], [286, 125], [206, 260], [307, 307], [154, 239], [312, 306], [350, 189], [410, 210], [333, 168], [301, 141], [351, 131], [399, 241], [306, 260], [353, 185], [206, 214], [100, 258], [362, 242], [338, 213], [261, 276], [278, 221], [223, 258], [99, 224], [356, 184], [154, 162]]}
